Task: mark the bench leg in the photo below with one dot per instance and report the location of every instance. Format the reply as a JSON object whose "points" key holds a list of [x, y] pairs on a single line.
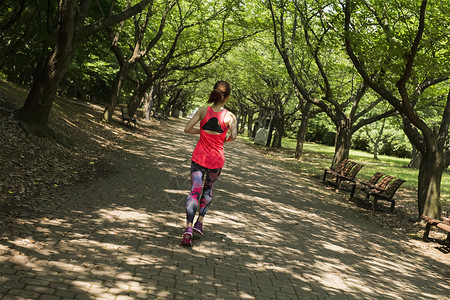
{"points": [[427, 231], [352, 193], [374, 203], [338, 184], [392, 205], [324, 176]]}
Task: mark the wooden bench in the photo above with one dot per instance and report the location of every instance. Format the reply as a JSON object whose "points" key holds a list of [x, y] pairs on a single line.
{"points": [[339, 168], [443, 224], [349, 176], [380, 187], [345, 171], [127, 120], [386, 193], [374, 182]]}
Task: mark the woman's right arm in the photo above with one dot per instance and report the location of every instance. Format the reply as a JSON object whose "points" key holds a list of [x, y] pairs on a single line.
{"points": [[192, 122], [232, 125]]}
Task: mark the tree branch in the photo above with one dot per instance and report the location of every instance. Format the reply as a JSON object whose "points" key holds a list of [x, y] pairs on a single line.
{"points": [[359, 64], [401, 83], [283, 52], [90, 29]]}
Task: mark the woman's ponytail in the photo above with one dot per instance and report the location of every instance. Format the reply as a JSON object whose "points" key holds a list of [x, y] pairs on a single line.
{"points": [[215, 96], [222, 90]]}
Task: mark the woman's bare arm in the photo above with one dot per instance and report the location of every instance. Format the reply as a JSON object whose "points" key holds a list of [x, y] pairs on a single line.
{"points": [[232, 125], [192, 122]]}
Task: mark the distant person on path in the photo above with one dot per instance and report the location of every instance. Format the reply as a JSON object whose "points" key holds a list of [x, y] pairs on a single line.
{"points": [[208, 157]]}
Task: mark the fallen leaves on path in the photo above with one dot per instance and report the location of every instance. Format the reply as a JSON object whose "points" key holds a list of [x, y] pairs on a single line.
{"points": [[81, 150]]}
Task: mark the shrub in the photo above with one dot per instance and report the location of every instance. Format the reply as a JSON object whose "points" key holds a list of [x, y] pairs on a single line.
{"points": [[396, 145], [361, 142]]}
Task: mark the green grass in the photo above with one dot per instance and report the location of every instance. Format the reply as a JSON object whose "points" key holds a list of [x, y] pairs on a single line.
{"points": [[317, 156]]}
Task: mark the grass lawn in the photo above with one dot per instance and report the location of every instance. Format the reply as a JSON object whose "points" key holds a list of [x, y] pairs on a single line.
{"points": [[317, 156]]}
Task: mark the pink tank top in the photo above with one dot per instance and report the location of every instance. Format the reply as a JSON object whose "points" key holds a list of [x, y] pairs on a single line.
{"points": [[209, 151]]}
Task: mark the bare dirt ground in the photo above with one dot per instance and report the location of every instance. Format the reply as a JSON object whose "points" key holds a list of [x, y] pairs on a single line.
{"points": [[31, 164]]}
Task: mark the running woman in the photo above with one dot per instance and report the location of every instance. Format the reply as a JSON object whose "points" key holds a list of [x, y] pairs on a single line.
{"points": [[208, 157]]}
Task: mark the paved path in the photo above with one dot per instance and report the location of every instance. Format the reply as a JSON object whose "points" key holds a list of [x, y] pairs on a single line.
{"points": [[270, 234]]}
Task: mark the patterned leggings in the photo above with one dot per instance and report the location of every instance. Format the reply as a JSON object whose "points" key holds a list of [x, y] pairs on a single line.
{"points": [[197, 175]]}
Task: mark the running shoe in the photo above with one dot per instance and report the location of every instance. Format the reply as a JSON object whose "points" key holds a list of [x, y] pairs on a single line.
{"points": [[187, 237], [198, 227]]}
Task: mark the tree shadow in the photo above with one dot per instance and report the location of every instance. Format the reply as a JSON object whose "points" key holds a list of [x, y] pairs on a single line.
{"points": [[268, 233]]}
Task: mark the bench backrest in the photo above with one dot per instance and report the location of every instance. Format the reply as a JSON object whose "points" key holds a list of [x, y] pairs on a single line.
{"points": [[348, 167], [355, 170], [375, 178], [383, 183], [393, 186], [341, 165]]}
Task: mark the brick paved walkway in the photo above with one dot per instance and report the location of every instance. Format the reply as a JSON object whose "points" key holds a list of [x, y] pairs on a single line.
{"points": [[269, 234]]}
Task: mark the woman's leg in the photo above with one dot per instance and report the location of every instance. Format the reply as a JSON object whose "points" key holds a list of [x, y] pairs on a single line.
{"points": [[211, 177], [192, 203]]}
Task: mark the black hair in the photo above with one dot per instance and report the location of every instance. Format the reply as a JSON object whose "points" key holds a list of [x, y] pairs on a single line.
{"points": [[222, 90]]}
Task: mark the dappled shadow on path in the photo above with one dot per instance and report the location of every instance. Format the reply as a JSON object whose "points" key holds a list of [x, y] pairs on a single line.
{"points": [[268, 233]]}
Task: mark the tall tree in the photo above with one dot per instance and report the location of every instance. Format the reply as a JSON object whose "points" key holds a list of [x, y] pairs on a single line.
{"points": [[407, 55], [315, 52], [201, 34], [72, 29], [137, 51]]}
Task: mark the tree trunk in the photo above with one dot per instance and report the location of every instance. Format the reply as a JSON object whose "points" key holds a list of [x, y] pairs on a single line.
{"points": [[276, 143], [159, 98], [341, 143], [301, 133], [148, 106], [242, 121], [134, 105], [115, 95], [278, 124], [250, 124], [36, 110], [416, 158], [270, 134], [141, 90], [447, 159], [429, 186], [136, 100], [375, 149], [302, 130], [378, 140]]}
